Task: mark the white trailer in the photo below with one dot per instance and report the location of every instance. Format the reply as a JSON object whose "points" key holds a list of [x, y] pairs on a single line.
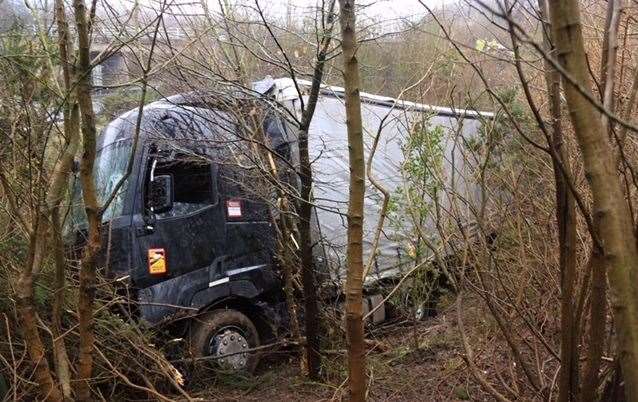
{"points": [[393, 120]]}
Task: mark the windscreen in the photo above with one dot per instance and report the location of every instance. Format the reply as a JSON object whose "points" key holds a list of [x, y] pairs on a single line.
{"points": [[110, 166]]}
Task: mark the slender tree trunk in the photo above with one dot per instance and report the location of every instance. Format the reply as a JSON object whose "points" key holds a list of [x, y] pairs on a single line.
{"points": [[48, 218], [598, 299], [49, 390], [610, 206], [597, 321], [55, 196], [88, 264], [311, 308], [54, 199], [566, 222], [354, 277], [312, 319]]}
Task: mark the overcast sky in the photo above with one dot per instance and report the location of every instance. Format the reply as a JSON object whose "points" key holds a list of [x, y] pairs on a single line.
{"points": [[387, 12], [378, 9]]}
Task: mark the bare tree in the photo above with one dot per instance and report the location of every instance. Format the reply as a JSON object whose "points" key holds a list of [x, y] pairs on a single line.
{"points": [[43, 211], [565, 206], [609, 225], [610, 208], [305, 211], [354, 276]]}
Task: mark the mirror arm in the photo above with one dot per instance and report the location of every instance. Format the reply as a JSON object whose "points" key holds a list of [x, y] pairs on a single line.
{"points": [[152, 174]]}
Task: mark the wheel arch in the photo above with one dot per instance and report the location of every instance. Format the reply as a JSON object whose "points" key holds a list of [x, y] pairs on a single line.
{"points": [[250, 308]]}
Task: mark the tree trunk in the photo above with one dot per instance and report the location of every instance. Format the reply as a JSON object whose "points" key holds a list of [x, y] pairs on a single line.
{"points": [[598, 299], [49, 390], [49, 218], [311, 308], [55, 197], [597, 321], [566, 222], [610, 206], [354, 277], [88, 264], [312, 319]]}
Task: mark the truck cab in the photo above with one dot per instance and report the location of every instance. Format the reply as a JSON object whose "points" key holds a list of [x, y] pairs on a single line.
{"points": [[188, 232]]}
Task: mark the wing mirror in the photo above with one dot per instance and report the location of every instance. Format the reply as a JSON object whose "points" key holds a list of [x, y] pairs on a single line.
{"points": [[160, 194]]}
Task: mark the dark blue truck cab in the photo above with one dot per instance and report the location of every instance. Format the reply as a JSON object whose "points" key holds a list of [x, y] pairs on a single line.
{"points": [[188, 232]]}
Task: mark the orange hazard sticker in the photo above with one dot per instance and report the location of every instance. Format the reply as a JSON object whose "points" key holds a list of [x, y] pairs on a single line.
{"points": [[156, 261]]}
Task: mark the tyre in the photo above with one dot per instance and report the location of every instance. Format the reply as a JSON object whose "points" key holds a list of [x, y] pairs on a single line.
{"points": [[226, 332]]}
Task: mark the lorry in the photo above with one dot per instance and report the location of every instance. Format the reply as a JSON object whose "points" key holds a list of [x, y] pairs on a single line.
{"points": [[193, 238]]}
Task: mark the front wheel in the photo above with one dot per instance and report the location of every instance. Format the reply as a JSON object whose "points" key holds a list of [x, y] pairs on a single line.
{"points": [[227, 333]]}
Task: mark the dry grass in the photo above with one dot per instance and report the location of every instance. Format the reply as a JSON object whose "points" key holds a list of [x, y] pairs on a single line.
{"points": [[408, 361]]}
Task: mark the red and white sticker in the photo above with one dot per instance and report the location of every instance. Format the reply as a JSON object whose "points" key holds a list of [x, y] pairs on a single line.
{"points": [[234, 208]]}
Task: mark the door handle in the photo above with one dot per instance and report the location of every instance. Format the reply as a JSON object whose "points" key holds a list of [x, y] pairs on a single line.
{"points": [[146, 225], [144, 230]]}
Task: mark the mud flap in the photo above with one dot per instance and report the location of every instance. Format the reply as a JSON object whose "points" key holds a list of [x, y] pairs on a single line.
{"points": [[370, 303]]}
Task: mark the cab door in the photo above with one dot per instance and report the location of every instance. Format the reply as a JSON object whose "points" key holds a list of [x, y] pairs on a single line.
{"points": [[188, 237], [250, 235]]}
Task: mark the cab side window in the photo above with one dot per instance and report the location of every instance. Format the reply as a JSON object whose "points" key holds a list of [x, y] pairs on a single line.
{"points": [[193, 185]]}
